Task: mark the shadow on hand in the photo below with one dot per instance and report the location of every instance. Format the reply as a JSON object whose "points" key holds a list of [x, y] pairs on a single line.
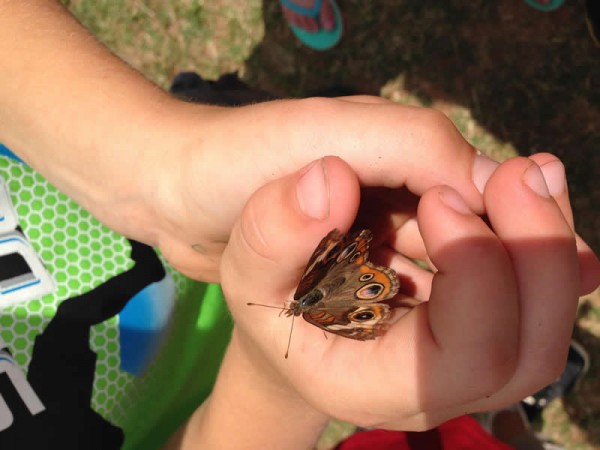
{"points": [[459, 324], [526, 76], [529, 78]]}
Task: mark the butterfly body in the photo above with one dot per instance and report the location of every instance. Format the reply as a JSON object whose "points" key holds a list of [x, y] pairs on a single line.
{"points": [[341, 292]]}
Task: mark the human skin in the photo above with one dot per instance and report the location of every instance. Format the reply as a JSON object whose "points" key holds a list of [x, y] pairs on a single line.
{"points": [[173, 174], [207, 186], [494, 325]]}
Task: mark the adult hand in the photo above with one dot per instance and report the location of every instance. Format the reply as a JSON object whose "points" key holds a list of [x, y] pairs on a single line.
{"points": [[497, 314]]}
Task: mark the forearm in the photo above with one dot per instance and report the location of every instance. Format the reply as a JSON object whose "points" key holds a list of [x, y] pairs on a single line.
{"points": [[74, 111], [249, 409]]}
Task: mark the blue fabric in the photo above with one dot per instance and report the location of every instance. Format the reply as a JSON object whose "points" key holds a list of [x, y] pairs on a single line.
{"points": [[6, 152], [144, 324]]}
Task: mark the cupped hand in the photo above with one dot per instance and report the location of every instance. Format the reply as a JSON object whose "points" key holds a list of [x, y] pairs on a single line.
{"points": [[497, 313], [228, 153]]}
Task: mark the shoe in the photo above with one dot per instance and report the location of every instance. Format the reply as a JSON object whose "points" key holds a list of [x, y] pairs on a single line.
{"points": [[487, 419], [321, 39], [228, 90], [512, 427], [578, 362], [545, 5]]}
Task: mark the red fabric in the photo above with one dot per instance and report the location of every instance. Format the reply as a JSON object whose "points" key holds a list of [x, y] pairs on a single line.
{"points": [[462, 433]]}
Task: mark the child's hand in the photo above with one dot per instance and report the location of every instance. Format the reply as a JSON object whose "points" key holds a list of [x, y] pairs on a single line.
{"points": [[199, 190], [176, 175], [495, 329]]}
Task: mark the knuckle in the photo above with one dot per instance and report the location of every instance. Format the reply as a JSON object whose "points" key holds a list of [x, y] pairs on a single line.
{"points": [[443, 138]]}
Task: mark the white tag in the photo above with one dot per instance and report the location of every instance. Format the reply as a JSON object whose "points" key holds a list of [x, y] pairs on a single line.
{"points": [[8, 217], [22, 274]]}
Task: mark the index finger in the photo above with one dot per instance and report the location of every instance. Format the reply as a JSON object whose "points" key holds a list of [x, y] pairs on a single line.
{"points": [[386, 144]]}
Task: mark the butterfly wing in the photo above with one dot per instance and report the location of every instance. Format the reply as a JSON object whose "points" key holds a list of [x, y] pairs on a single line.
{"points": [[362, 323], [325, 256], [341, 292]]}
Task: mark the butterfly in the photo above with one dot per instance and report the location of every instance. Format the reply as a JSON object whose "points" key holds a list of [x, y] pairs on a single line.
{"points": [[342, 292]]}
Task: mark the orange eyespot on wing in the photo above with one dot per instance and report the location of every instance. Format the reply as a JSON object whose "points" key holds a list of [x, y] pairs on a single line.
{"points": [[370, 291], [382, 283], [341, 291], [371, 314]]}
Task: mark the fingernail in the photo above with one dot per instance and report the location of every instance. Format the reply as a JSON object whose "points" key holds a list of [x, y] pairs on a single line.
{"points": [[312, 191], [453, 200], [554, 174], [483, 168], [534, 178]]}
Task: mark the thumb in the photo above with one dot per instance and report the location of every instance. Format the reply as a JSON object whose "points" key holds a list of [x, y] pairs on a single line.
{"points": [[278, 230]]}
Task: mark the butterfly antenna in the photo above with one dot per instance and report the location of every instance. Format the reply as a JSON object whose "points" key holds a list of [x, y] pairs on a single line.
{"points": [[287, 351], [282, 308]]}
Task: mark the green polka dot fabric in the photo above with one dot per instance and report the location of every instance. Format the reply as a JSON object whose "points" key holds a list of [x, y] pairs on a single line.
{"points": [[70, 242], [80, 254]]}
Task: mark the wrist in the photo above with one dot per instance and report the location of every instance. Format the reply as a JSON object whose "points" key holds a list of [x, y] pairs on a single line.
{"points": [[253, 399], [112, 165], [77, 114]]}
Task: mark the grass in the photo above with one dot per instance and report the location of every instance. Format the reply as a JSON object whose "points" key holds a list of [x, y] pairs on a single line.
{"points": [[161, 38], [514, 80]]}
